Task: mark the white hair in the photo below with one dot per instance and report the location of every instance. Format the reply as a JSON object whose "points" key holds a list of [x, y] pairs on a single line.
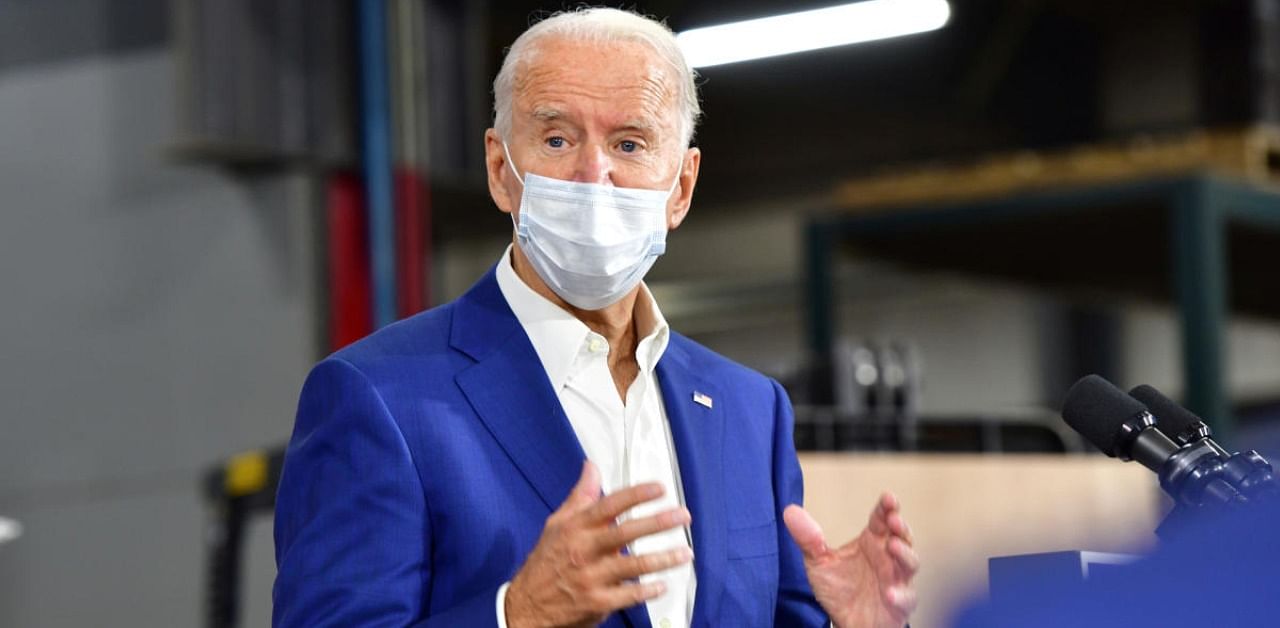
{"points": [[599, 25]]}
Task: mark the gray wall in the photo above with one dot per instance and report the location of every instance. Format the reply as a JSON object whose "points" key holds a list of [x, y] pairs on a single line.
{"points": [[156, 318]]}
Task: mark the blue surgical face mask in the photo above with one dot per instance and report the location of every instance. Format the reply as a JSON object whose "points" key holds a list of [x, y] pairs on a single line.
{"points": [[590, 243]]}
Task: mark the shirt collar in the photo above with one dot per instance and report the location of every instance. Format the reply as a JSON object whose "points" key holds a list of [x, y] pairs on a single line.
{"points": [[651, 323], [558, 337]]}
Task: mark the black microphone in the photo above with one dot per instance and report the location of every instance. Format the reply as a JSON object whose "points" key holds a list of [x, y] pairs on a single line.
{"points": [[1183, 425], [1248, 472], [1122, 427], [1116, 423]]}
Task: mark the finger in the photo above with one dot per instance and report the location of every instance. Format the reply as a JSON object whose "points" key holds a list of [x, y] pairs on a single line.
{"points": [[627, 595], [806, 531], [586, 491], [884, 563], [908, 561], [901, 599], [898, 526], [612, 539], [878, 522], [889, 502], [607, 508], [617, 568]]}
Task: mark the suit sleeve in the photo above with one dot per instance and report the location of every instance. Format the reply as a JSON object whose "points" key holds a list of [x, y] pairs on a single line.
{"points": [[352, 530], [796, 605]]}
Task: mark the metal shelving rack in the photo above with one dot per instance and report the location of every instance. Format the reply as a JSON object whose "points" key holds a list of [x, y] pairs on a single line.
{"points": [[1191, 229]]}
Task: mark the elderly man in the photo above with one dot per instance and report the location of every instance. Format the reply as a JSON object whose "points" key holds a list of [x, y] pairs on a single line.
{"points": [[545, 451]]}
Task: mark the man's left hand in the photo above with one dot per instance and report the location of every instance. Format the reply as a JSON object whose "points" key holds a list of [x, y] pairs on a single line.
{"points": [[865, 583]]}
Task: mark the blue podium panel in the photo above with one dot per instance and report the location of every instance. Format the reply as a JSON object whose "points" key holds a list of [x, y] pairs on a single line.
{"points": [[1222, 570], [1011, 576]]}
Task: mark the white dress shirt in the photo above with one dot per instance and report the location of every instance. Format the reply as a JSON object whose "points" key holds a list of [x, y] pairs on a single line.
{"points": [[629, 441]]}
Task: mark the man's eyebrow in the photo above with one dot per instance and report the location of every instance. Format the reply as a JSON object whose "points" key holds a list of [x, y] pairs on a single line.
{"points": [[547, 114], [551, 114], [639, 124]]}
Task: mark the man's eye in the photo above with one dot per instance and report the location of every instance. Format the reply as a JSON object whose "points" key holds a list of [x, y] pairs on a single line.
{"points": [[629, 146], [555, 142]]}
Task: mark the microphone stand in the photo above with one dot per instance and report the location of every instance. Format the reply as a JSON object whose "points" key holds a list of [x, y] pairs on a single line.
{"points": [[1203, 478]]}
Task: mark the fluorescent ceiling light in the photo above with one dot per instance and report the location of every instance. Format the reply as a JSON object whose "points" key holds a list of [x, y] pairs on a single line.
{"points": [[9, 529], [811, 30]]}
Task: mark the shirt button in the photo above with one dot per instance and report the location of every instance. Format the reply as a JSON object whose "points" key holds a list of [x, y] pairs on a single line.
{"points": [[665, 623], [596, 345]]}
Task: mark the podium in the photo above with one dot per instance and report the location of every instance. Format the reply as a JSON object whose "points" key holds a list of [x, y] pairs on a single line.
{"points": [[1011, 576]]}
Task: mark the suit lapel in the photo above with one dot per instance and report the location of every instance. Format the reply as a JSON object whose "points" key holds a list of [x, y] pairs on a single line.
{"points": [[510, 392], [698, 433], [635, 616]]}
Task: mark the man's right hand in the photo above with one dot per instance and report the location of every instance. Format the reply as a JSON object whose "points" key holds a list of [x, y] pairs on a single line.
{"points": [[577, 574]]}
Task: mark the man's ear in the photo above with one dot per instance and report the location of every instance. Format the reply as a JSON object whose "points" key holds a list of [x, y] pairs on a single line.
{"points": [[682, 199], [497, 170]]}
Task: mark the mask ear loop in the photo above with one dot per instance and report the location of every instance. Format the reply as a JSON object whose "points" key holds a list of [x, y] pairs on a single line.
{"points": [[522, 232], [679, 174], [512, 164], [658, 241]]}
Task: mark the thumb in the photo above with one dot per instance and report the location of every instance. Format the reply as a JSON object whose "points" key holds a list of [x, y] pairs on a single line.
{"points": [[587, 490], [806, 531]]}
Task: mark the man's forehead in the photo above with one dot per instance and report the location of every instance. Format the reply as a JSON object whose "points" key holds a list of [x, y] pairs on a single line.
{"points": [[571, 53], [558, 76]]}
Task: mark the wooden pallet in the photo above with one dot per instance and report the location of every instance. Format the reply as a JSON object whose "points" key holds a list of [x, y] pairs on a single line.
{"points": [[1252, 153]]}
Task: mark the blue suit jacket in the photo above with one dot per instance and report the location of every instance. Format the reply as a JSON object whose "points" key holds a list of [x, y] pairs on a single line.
{"points": [[426, 458]]}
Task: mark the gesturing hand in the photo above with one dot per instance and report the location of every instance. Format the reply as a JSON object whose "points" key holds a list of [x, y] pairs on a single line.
{"points": [[577, 574], [866, 582]]}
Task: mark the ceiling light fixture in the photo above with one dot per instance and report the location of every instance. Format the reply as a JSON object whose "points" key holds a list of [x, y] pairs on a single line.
{"points": [[810, 30]]}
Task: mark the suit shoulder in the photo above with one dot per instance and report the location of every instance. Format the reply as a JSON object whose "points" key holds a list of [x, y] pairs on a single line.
{"points": [[422, 334], [704, 360]]}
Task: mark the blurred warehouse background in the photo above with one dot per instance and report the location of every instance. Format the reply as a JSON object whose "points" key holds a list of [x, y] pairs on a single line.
{"points": [[926, 239]]}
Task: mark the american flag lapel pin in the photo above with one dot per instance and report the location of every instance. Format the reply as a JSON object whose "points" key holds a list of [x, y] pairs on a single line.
{"points": [[702, 399]]}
